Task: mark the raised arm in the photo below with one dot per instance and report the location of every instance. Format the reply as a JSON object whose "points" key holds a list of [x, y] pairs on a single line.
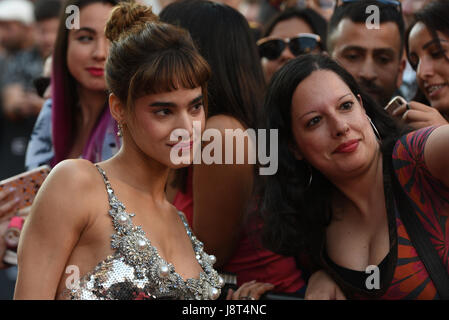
{"points": [[436, 154], [51, 231], [222, 194]]}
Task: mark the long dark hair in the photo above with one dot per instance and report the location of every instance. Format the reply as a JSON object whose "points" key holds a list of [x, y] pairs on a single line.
{"points": [[296, 214], [224, 39], [435, 17]]}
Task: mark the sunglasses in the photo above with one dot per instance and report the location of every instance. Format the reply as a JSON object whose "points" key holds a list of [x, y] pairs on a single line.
{"points": [[394, 3], [272, 48]]}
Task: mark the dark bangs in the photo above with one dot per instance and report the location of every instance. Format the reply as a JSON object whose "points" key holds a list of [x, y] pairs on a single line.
{"points": [[155, 58], [170, 70]]}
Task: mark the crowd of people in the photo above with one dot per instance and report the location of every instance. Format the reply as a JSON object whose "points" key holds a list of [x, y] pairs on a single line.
{"points": [[358, 184]]}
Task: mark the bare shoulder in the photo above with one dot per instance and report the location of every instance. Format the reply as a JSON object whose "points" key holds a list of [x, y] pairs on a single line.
{"points": [[69, 188], [71, 175]]}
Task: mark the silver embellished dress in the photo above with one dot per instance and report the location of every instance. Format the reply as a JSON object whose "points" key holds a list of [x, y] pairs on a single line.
{"points": [[136, 270]]}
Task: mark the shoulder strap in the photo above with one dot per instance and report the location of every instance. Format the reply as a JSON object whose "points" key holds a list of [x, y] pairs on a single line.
{"points": [[109, 189], [421, 242]]}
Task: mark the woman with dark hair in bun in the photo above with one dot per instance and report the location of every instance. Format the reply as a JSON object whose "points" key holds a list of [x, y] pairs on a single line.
{"points": [[157, 81]]}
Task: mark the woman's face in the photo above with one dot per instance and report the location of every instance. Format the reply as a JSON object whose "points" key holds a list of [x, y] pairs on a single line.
{"points": [[156, 116], [432, 66], [330, 127], [88, 47], [285, 29]]}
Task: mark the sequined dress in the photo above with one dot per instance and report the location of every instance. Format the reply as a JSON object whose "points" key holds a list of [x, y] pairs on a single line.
{"points": [[136, 271]]}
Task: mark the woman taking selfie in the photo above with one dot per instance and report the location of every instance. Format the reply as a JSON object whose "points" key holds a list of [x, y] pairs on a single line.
{"points": [[348, 184], [157, 81]]}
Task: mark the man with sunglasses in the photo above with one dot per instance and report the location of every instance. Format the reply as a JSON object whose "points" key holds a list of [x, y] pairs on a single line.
{"points": [[374, 56]]}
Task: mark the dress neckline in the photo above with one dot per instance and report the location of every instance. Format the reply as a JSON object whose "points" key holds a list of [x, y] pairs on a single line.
{"points": [[113, 199]]}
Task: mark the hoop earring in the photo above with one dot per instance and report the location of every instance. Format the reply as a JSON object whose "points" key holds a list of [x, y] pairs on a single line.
{"points": [[119, 130], [376, 132]]}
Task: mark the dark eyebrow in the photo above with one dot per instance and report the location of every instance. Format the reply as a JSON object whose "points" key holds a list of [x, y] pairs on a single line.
{"points": [[302, 116], [428, 44], [196, 100], [85, 29], [162, 104], [171, 104], [348, 94], [384, 50], [356, 48]]}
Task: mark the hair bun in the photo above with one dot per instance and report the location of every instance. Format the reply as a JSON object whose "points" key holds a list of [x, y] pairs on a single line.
{"points": [[128, 17]]}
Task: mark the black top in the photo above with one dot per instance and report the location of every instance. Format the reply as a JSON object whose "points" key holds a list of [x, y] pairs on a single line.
{"points": [[354, 277]]}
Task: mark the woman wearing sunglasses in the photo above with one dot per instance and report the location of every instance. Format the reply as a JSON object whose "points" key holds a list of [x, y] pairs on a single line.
{"points": [[291, 33]]}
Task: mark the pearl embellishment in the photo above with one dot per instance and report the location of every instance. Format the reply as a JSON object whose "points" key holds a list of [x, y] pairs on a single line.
{"points": [[163, 271], [142, 244], [123, 219], [214, 293]]}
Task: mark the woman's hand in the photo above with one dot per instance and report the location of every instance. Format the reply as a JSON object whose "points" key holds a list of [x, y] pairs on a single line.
{"points": [[419, 115], [322, 287], [8, 203], [249, 291]]}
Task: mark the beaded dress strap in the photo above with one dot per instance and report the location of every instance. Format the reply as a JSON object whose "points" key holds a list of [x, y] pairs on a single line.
{"points": [[111, 194], [131, 243], [121, 219]]}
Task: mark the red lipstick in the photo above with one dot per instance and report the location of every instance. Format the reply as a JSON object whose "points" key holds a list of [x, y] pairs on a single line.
{"points": [[96, 72], [347, 147]]}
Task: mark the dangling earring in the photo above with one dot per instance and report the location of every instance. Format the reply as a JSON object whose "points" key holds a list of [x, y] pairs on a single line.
{"points": [[376, 132], [119, 130]]}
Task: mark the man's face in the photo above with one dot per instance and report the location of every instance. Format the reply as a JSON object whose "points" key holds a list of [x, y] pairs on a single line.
{"points": [[372, 56], [14, 34]]}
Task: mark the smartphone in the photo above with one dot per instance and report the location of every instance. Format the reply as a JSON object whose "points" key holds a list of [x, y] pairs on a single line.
{"points": [[26, 184], [395, 103]]}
